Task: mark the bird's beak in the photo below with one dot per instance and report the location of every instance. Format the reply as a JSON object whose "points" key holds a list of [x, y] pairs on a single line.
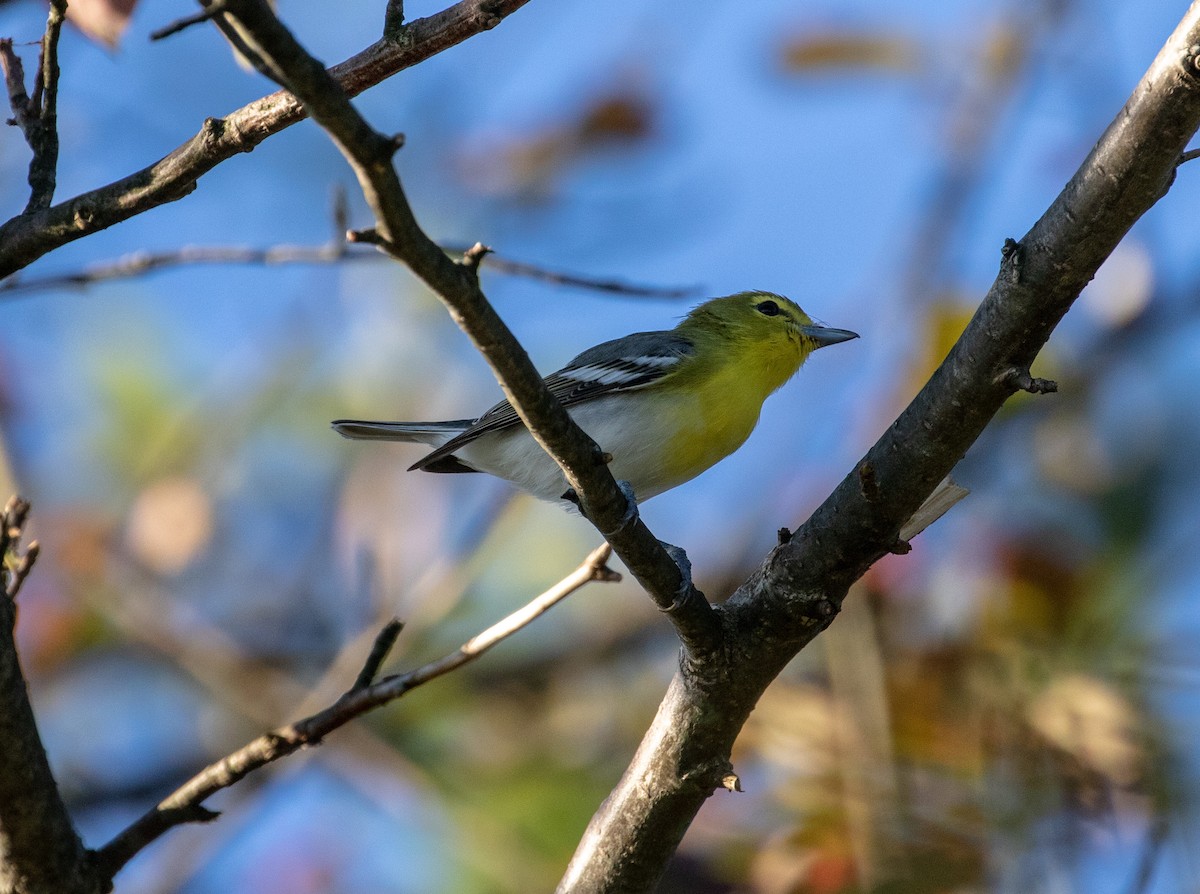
{"points": [[823, 335]]}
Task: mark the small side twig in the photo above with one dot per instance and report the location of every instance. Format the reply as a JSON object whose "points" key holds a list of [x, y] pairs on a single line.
{"points": [[393, 20], [474, 256], [185, 804], [500, 264], [1021, 380], [1011, 253], [868, 482], [15, 565], [384, 641], [215, 9]]}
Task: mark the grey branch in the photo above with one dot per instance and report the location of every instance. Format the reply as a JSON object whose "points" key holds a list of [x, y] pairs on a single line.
{"points": [[393, 20], [37, 115], [799, 587], [397, 232], [384, 640], [186, 804], [39, 847], [15, 565], [140, 263], [28, 237], [186, 22]]}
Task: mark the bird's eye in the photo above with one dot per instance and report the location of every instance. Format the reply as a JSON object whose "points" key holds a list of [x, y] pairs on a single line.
{"points": [[767, 308]]}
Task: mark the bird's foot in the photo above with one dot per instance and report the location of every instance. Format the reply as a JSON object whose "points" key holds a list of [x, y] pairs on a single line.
{"points": [[687, 590], [631, 508]]}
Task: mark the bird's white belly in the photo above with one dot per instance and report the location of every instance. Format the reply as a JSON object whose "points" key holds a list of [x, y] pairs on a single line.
{"points": [[637, 432]]}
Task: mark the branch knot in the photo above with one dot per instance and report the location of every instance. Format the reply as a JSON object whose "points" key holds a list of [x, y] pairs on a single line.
{"points": [[474, 256], [1019, 379], [1012, 253]]}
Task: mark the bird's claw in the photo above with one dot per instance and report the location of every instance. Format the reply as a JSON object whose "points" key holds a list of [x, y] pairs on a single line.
{"points": [[684, 564], [631, 506], [630, 515]]}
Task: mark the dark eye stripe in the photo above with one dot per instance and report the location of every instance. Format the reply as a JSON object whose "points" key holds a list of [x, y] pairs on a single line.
{"points": [[767, 308]]}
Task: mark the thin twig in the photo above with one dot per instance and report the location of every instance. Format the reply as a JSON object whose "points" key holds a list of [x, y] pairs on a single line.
{"points": [[188, 21], [14, 82], [384, 640], [500, 264], [185, 804], [139, 263], [37, 115], [15, 564], [43, 169]]}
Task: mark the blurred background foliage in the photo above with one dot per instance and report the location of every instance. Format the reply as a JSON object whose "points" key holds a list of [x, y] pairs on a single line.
{"points": [[1011, 707]]}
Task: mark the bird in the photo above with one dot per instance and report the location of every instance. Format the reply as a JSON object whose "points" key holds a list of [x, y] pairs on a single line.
{"points": [[664, 405]]}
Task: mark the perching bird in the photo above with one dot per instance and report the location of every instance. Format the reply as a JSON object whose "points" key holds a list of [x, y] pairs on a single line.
{"points": [[665, 405]]}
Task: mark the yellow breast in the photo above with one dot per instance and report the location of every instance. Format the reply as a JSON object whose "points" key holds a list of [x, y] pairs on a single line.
{"points": [[720, 418]]}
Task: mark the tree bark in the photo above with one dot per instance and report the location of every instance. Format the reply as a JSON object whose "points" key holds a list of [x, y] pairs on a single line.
{"points": [[800, 585], [40, 851], [29, 236]]}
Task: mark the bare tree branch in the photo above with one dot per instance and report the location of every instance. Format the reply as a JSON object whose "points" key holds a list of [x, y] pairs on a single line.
{"points": [[186, 22], [393, 21], [397, 232], [15, 564], [500, 264], [27, 237], [139, 263], [37, 115], [798, 589], [39, 847], [186, 803], [384, 640]]}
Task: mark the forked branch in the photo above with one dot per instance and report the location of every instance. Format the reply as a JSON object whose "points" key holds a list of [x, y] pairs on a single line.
{"points": [[186, 804]]}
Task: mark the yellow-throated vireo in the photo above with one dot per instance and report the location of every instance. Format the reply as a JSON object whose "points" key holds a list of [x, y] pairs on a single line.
{"points": [[664, 405]]}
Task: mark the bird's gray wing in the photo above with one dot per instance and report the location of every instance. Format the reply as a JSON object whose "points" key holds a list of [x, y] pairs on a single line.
{"points": [[622, 364]]}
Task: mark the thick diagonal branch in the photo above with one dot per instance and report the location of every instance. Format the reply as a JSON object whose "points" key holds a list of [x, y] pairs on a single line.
{"points": [[456, 283], [799, 587]]}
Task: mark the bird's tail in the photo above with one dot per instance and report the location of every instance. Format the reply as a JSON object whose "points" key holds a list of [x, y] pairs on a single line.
{"points": [[435, 433]]}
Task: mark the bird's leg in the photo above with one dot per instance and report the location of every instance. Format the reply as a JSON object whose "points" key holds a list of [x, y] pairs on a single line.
{"points": [[687, 592], [631, 508]]}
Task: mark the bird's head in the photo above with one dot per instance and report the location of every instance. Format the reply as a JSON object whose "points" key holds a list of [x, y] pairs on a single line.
{"points": [[763, 323]]}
